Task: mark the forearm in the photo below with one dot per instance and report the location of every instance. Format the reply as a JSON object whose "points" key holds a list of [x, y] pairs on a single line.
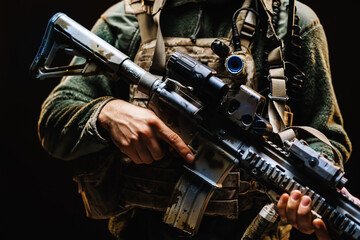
{"points": [[67, 124]]}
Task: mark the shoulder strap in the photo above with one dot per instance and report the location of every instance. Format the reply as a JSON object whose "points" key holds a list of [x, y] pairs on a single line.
{"points": [[268, 5], [159, 60], [143, 13], [148, 13], [280, 115], [289, 134], [246, 24]]}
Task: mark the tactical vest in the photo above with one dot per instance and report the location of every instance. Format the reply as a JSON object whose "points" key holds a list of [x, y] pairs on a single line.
{"points": [[150, 186], [230, 199], [122, 185]]}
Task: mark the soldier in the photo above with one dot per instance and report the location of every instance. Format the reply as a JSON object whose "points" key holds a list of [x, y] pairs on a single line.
{"points": [[125, 169]]}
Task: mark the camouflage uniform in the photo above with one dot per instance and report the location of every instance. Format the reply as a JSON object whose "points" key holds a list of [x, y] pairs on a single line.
{"points": [[135, 196]]}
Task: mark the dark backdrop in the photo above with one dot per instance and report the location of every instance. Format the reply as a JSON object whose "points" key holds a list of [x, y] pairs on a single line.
{"points": [[39, 198]]}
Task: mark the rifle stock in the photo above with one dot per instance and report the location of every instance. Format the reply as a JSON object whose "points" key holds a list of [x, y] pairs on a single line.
{"points": [[221, 133]]}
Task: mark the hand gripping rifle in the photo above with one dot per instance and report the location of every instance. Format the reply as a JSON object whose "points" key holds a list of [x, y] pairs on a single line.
{"points": [[222, 129]]}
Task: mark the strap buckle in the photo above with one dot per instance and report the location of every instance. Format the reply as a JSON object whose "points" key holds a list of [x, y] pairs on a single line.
{"points": [[279, 99], [147, 2], [147, 5]]}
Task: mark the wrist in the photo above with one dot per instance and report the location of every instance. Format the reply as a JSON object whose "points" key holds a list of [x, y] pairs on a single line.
{"points": [[104, 117], [93, 124]]}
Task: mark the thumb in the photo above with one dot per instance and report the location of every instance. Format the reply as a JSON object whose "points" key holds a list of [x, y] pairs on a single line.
{"points": [[321, 230]]}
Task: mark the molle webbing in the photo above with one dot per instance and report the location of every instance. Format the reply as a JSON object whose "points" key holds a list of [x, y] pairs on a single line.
{"points": [[151, 187], [139, 187], [200, 51]]}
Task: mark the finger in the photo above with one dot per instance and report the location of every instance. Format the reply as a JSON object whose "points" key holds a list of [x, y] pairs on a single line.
{"points": [[128, 151], [292, 207], [320, 229], [155, 148], [281, 206], [144, 154], [348, 194], [304, 218], [132, 154], [175, 141]]}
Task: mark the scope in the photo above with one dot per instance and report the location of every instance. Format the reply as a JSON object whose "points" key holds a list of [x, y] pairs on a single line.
{"points": [[192, 73]]}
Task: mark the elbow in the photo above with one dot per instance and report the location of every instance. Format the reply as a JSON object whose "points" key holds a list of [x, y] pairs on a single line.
{"points": [[56, 147], [70, 143]]}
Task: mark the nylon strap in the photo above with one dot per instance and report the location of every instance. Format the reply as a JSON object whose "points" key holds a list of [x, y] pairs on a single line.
{"points": [[288, 134], [148, 14], [246, 23], [319, 135], [277, 96], [247, 32], [159, 60], [147, 27], [280, 116]]}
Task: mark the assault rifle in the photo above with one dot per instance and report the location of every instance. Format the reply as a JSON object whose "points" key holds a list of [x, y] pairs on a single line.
{"points": [[223, 129]]}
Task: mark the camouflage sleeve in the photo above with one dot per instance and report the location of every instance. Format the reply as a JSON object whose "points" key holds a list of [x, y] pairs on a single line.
{"points": [[67, 124]]}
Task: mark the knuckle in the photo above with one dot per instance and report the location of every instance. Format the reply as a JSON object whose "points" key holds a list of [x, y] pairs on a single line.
{"points": [[281, 205], [129, 142], [153, 119], [126, 143], [146, 132], [121, 144], [173, 137], [147, 159], [302, 212]]}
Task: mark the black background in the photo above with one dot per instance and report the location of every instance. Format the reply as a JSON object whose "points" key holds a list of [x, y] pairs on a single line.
{"points": [[38, 197]]}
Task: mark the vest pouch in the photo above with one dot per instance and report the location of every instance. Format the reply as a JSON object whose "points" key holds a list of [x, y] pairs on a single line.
{"points": [[100, 191]]}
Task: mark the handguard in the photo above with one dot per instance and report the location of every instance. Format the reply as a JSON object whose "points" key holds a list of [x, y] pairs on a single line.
{"points": [[223, 131]]}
